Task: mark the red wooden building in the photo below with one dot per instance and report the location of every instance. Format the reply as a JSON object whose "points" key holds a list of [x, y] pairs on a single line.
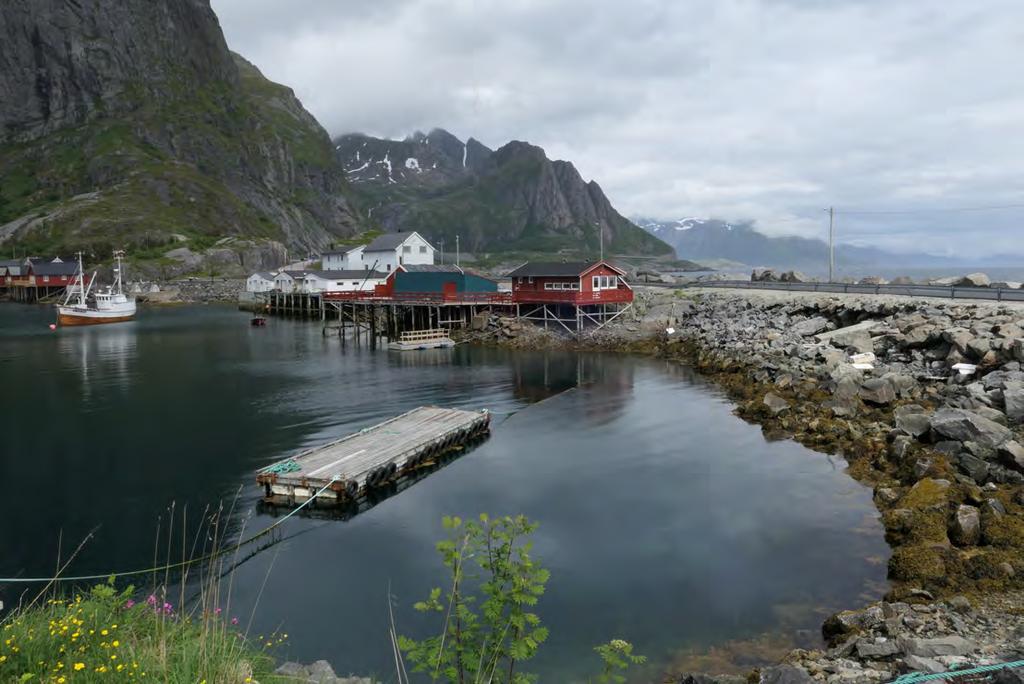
{"points": [[571, 294]]}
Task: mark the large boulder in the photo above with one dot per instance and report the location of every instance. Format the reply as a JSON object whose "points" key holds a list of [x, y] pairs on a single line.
{"points": [[812, 326], [763, 275], [974, 280], [967, 426], [1013, 399], [775, 403], [912, 420], [965, 528], [878, 391], [939, 646], [794, 277], [1011, 453], [784, 674]]}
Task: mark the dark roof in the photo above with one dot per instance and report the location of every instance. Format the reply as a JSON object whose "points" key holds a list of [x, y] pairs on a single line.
{"points": [[387, 242], [432, 268], [266, 275], [10, 262], [51, 269], [294, 274], [348, 275], [553, 268]]}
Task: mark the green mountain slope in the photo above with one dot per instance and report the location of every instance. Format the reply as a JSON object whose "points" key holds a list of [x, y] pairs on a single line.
{"points": [[158, 138]]}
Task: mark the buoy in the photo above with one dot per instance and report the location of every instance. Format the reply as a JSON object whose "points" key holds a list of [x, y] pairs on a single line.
{"points": [[53, 326]]}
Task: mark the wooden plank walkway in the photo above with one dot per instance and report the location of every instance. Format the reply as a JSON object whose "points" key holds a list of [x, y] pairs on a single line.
{"points": [[372, 458]]}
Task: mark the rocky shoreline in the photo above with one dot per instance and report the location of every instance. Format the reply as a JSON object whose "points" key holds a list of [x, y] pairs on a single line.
{"points": [[925, 401]]}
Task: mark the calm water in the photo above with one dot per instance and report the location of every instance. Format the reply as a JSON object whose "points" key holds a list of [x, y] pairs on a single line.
{"points": [[665, 520]]}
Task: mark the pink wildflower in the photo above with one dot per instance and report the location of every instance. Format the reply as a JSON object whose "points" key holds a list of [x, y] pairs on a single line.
{"points": [[151, 600], [129, 603], [234, 621], [217, 611]]}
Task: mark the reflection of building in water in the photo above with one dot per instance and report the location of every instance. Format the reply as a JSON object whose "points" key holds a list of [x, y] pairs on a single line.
{"points": [[607, 380], [104, 354]]}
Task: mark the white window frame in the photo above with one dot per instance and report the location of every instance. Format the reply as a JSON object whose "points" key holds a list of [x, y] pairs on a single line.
{"points": [[406, 249], [595, 282], [549, 286], [530, 280], [423, 249]]}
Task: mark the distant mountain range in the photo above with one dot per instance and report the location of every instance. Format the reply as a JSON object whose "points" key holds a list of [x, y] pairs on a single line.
{"points": [[710, 240], [510, 199]]}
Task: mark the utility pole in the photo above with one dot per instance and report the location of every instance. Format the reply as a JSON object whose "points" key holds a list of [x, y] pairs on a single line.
{"points": [[600, 238], [441, 241], [456, 250], [831, 243]]}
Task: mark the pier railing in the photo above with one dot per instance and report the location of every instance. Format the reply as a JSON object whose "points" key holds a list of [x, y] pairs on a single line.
{"points": [[423, 297]]}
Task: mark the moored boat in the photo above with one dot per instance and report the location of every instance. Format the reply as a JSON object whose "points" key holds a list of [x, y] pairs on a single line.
{"points": [[110, 305]]}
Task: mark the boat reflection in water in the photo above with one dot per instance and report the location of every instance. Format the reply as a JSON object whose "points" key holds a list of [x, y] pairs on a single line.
{"points": [[109, 351]]}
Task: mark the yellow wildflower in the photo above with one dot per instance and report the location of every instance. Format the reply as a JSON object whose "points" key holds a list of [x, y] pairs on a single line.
{"points": [[79, 666], [116, 643]]}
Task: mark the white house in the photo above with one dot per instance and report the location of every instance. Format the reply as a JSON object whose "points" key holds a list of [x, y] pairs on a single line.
{"points": [[287, 281], [344, 260], [342, 281], [262, 281], [391, 250]]}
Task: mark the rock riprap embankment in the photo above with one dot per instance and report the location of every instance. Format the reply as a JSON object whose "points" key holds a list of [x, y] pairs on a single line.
{"points": [[924, 399]]}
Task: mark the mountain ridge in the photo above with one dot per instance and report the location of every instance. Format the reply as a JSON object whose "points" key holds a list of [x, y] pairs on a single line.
{"points": [[704, 240], [511, 198]]}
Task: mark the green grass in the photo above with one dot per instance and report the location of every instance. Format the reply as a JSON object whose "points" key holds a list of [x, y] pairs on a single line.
{"points": [[105, 635]]}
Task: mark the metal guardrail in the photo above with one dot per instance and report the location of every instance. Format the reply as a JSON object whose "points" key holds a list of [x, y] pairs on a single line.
{"points": [[997, 294]]}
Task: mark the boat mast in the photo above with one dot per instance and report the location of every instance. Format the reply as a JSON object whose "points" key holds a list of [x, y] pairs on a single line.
{"points": [[79, 282], [117, 271]]}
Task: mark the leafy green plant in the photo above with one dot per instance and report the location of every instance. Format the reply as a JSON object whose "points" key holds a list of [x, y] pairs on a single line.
{"points": [[617, 656], [487, 628]]}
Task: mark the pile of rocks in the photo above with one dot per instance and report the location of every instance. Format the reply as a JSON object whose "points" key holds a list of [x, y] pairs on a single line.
{"points": [[195, 290], [767, 275], [884, 640]]}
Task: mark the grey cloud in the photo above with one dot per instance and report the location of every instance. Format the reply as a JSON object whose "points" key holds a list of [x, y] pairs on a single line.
{"points": [[740, 109]]}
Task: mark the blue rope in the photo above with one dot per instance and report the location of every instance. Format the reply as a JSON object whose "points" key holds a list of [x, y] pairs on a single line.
{"points": [[914, 677]]}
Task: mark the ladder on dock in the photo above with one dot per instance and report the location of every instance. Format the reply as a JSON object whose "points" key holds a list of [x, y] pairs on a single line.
{"points": [[341, 472]]}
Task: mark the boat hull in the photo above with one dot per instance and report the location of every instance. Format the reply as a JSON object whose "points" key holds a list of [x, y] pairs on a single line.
{"points": [[71, 317]]}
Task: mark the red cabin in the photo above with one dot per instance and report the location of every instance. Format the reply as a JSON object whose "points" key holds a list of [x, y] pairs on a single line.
{"points": [[575, 283], [571, 294]]}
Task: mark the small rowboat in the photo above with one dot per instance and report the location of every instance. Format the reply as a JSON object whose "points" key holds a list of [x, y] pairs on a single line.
{"points": [[258, 321]]}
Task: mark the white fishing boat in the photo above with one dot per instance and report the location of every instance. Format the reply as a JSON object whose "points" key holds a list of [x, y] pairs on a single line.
{"points": [[110, 305]]}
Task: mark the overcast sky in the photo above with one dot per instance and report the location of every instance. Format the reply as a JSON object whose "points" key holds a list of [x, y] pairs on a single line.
{"points": [[737, 109]]}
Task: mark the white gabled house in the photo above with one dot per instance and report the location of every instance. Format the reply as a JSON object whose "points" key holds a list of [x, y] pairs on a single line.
{"points": [[343, 260], [288, 281], [386, 253], [391, 250], [262, 281]]}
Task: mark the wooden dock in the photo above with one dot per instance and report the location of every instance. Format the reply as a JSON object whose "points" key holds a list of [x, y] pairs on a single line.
{"points": [[341, 472], [412, 340]]}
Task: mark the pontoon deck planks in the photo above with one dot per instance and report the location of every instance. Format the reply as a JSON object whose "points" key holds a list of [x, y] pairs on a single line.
{"points": [[371, 458]]}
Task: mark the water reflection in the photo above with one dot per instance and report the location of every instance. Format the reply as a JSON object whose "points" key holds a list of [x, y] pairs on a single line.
{"points": [[114, 347]]}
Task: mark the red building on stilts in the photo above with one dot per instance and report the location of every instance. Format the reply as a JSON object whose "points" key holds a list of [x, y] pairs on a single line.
{"points": [[571, 294]]}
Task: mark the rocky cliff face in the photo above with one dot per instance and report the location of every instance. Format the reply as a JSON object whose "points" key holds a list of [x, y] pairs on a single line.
{"points": [[513, 198], [130, 124], [66, 62]]}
